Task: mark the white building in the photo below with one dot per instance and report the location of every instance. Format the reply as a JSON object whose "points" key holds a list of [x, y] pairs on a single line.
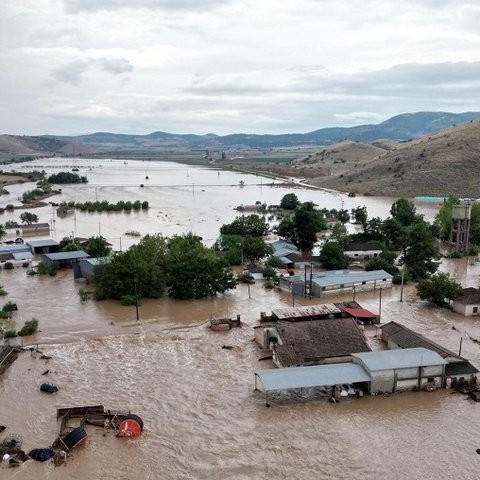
{"points": [[468, 302]]}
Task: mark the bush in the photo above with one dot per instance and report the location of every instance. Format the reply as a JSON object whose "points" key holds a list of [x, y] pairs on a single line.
{"points": [[2, 291], [9, 307], [30, 328], [84, 294], [10, 333], [52, 269], [8, 266], [129, 300]]}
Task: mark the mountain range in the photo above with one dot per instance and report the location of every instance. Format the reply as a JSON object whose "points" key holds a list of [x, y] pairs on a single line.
{"points": [[402, 127]]}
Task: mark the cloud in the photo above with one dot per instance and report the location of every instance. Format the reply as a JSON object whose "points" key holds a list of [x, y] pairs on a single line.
{"points": [[403, 80], [116, 66], [73, 73], [79, 6]]}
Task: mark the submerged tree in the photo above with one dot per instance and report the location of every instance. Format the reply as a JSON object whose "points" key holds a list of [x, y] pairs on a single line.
{"points": [[301, 228], [439, 289], [193, 270]]}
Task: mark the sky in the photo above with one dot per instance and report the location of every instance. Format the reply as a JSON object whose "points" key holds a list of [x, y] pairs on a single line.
{"points": [[70, 67]]}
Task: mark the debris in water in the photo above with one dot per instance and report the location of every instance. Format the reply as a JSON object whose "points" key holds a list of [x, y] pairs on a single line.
{"points": [[48, 388]]}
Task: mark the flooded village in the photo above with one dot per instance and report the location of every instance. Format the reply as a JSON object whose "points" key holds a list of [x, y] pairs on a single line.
{"points": [[329, 374]]}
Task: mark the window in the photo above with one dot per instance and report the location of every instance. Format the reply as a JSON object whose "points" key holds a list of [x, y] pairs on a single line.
{"points": [[475, 309]]}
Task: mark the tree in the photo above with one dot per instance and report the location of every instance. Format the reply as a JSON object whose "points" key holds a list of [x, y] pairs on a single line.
{"points": [[69, 244], [381, 263], [439, 289], [404, 212], [421, 251], [333, 257], [373, 229], [97, 247], [340, 234], [66, 177], [301, 228], [246, 226], [140, 270], [289, 201], [28, 218], [194, 271], [3, 232], [395, 235], [255, 248], [360, 215], [343, 216]]}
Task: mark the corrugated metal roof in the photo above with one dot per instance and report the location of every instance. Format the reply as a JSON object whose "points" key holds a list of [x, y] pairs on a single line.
{"points": [[306, 311], [66, 255], [359, 312], [399, 358], [14, 248], [283, 252], [285, 260], [49, 242], [350, 277], [315, 376], [342, 277], [98, 260], [22, 255], [284, 244]]}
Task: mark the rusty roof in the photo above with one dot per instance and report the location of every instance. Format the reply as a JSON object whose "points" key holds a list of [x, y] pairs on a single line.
{"points": [[314, 340], [305, 311]]}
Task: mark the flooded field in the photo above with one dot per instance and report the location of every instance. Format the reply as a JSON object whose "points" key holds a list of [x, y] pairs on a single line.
{"points": [[203, 419]]}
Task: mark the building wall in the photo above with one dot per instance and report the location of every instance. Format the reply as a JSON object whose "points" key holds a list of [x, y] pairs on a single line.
{"points": [[467, 310], [433, 371], [317, 291], [382, 381], [406, 385], [404, 373], [363, 253]]}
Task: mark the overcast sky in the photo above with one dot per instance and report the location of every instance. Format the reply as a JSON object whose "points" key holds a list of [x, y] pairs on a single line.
{"points": [[252, 66]]}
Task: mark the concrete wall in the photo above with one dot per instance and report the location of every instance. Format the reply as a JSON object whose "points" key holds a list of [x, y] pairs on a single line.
{"points": [[433, 371], [405, 373], [406, 385], [382, 381]]}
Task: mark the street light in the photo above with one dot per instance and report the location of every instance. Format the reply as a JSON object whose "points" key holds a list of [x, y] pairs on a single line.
{"points": [[136, 297]]}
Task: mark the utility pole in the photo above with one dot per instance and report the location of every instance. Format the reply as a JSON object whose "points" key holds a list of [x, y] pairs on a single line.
{"points": [[380, 308], [401, 286], [311, 275], [305, 283]]}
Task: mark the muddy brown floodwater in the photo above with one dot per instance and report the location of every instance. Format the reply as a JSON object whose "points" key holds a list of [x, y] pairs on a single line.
{"points": [[203, 419]]}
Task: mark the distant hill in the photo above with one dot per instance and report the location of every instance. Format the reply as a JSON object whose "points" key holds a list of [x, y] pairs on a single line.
{"points": [[447, 162], [25, 145], [402, 127]]}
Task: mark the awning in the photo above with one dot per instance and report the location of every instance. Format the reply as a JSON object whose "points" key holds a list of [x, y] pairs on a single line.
{"points": [[360, 313], [314, 376]]}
